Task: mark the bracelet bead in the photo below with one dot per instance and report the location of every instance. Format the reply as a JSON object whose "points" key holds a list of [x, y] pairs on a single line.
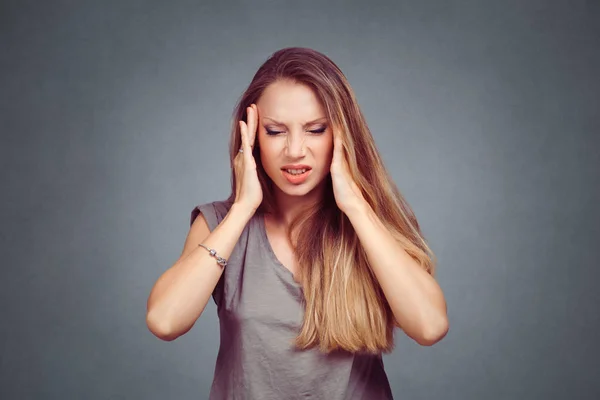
{"points": [[213, 253]]}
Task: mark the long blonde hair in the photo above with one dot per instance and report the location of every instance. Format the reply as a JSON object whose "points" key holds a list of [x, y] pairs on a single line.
{"points": [[345, 307]]}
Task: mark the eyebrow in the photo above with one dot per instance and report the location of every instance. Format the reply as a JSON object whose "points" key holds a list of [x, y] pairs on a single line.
{"points": [[323, 119]]}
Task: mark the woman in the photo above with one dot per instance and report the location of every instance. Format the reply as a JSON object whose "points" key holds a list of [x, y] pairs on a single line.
{"points": [[313, 259]]}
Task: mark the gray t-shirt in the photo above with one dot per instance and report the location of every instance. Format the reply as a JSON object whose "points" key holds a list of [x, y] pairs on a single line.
{"points": [[260, 312]]}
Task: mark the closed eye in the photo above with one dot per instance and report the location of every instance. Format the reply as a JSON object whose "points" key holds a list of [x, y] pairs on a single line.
{"points": [[315, 131], [318, 131]]}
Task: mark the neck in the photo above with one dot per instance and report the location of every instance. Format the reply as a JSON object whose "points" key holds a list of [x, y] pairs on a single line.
{"points": [[288, 207]]}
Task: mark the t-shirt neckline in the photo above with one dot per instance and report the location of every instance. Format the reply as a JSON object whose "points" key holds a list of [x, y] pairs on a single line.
{"points": [[271, 252]]}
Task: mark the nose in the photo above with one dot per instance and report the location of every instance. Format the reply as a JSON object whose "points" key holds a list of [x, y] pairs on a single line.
{"points": [[295, 147]]}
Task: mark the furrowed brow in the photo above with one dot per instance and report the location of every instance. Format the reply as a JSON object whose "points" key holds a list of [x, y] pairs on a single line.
{"points": [[322, 119]]}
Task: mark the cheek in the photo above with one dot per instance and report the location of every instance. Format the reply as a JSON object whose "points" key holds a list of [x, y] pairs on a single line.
{"points": [[267, 155], [325, 150]]}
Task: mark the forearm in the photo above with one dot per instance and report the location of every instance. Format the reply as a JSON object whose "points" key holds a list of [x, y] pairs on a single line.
{"points": [[414, 296], [182, 292]]}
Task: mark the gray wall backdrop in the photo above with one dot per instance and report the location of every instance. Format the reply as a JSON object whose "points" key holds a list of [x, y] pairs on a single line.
{"points": [[115, 120]]}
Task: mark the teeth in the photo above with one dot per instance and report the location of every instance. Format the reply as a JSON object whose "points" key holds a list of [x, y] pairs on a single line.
{"points": [[296, 171]]}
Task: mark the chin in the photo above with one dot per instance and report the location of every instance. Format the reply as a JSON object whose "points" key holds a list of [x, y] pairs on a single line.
{"points": [[294, 190], [299, 192]]}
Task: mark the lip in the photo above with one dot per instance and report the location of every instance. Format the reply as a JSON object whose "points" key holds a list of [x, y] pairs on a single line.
{"points": [[296, 179], [296, 166]]}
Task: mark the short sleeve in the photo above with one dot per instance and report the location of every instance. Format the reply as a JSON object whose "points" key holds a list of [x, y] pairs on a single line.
{"points": [[213, 213], [209, 213]]}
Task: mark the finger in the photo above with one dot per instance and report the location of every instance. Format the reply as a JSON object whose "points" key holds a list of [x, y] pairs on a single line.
{"points": [[337, 145], [246, 142], [241, 125], [251, 122], [338, 151], [243, 135], [248, 121]]}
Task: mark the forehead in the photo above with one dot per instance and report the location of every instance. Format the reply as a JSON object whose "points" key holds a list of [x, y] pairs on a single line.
{"points": [[287, 101]]}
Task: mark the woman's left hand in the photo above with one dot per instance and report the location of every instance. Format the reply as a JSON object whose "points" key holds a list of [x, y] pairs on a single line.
{"points": [[346, 191]]}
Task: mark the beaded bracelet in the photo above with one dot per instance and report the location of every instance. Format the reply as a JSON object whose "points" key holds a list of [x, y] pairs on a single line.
{"points": [[220, 260]]}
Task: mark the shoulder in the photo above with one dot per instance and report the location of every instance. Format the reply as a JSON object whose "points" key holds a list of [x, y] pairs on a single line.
{"points": [[213, 212]]}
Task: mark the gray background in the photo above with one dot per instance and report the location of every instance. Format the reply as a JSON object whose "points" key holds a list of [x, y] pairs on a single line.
{"points": [[115, 120]]}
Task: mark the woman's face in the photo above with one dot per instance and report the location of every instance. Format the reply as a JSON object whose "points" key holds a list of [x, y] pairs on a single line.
{"points": [[295, 138]]}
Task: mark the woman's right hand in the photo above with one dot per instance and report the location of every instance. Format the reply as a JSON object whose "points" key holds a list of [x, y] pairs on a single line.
{"points": [[248, 191]]}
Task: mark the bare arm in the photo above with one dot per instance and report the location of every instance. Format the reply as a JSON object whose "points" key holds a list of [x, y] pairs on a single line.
{"points": [[414, 296], [181, 293]]}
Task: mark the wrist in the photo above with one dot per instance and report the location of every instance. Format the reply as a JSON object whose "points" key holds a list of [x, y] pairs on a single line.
{"points": [[357, 207], [242, 211]]}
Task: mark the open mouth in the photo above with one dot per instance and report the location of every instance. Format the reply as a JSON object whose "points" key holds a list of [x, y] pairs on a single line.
{"points": [[296, 171], [296, 175]]}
